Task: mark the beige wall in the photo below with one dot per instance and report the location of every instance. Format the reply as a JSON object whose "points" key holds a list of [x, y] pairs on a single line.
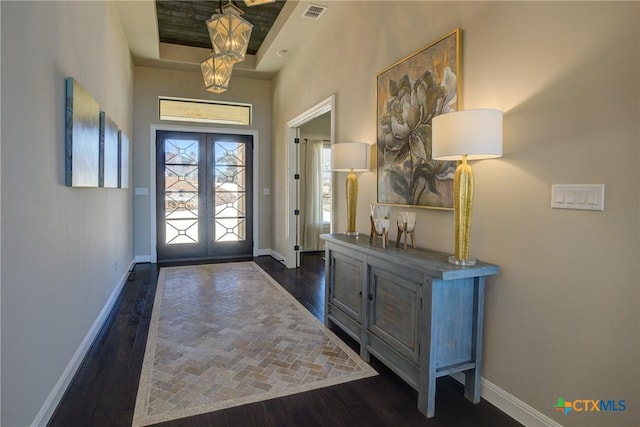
{"points": [[151, 83], [64, 250], [320, 127], [562, 316]]}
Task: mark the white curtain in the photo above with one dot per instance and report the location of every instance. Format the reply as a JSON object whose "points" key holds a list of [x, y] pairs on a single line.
{"points": [[312, 222]]}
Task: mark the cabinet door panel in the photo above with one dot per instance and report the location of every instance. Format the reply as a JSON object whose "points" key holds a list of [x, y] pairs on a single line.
{"points": [[394, 311], [346, 285]]}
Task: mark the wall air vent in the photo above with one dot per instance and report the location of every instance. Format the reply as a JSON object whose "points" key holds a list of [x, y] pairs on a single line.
{"points": [[314, 11]]}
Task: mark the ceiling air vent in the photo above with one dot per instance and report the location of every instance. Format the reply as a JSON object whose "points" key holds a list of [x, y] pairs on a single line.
{"points": [[314, 11]]}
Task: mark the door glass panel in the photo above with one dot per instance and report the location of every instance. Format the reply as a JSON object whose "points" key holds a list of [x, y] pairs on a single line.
{"points": [[229, 191], [230, 229], [230, 205], [181, 191], [229, 178], [182, 231]]}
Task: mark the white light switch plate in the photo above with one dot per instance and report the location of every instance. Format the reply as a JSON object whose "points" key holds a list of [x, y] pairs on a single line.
{"points": [[588, 197]]}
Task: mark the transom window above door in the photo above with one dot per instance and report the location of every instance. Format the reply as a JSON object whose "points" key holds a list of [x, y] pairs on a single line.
{"points": [[204, 111]]}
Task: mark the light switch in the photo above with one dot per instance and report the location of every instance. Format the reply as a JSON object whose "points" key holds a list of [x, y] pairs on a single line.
{"points": [[568, 196], [142, 191], [578, 196], [559, 197]]}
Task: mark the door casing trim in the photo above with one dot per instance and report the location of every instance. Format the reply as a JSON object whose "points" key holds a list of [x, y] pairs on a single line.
{"points": [[324, 106], [152, 177]]}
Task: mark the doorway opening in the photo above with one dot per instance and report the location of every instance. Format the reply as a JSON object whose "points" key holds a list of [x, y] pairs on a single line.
{"points": [[310, 208], [315, 183]]}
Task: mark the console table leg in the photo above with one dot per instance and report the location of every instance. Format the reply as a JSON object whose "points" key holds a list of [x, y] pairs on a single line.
{"points": [[472, 376], [427, 398], [364, 354], [472, 385], [427, 389]]}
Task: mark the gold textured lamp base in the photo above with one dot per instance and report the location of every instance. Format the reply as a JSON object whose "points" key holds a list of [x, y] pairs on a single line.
{"points": [[462, 209], [352, 203]]}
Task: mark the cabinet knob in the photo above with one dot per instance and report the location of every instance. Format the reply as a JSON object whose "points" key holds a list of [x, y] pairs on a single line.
{"points": [[370, 297], [360, 294]]}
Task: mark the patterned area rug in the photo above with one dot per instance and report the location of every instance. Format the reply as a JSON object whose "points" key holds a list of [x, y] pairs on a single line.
{"points": [[224, 335]]}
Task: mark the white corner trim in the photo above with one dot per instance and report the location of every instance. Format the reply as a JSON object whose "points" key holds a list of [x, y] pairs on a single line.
{"points": [[48, 408], [142, 259], [510, 405]]}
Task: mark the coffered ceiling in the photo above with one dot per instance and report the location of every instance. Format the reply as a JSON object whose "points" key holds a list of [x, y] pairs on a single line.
{"points": [[173, 33], [184, 22]]}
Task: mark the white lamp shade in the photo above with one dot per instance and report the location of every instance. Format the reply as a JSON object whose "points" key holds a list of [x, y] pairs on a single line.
{"points": [[351, 156], [474, 133]]}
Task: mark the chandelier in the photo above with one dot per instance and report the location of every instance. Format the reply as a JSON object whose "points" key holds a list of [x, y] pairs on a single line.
{"points": [[229, 34], [216, 74]]}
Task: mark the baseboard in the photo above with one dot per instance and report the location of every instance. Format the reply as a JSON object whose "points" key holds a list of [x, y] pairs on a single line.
{"points": [[257, 252], [510, 405], [270, 252], [275, 255], [50, 405]]}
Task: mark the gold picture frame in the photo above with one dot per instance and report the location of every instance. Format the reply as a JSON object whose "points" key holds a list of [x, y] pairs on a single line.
{"points": [[409, 94]]}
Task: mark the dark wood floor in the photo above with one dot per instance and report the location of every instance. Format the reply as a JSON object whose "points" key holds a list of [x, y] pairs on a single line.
{"points": [[104, 390]]}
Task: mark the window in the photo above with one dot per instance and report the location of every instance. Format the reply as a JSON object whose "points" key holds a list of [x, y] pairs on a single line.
{"points": [[203, 111], [326, 183]]}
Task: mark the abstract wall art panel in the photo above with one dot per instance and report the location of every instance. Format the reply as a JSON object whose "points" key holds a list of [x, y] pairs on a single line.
{"points": [[123, 167], [109, 155], [82, 137]]}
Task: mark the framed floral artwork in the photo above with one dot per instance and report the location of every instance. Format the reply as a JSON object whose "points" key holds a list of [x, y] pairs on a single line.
{"points": [[409, 94]]}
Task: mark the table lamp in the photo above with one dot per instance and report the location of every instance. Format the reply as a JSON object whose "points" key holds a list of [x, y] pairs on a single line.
{"points": [[465, 135], [351, 157]]}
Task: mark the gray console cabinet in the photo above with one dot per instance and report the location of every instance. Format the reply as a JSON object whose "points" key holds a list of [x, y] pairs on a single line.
{"points": [[411, 309]]}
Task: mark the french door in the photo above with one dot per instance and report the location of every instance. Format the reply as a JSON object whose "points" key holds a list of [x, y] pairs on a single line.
{"points": [[203, 196]]}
